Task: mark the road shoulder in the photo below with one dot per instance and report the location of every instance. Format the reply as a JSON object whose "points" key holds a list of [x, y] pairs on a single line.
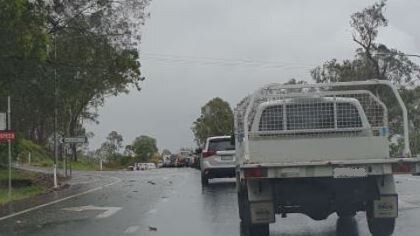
{"points": [[81, 183]]}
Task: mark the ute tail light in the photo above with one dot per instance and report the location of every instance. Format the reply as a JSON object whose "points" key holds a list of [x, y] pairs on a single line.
{"points": [[402, 168], [209, 153], [258, 172]]}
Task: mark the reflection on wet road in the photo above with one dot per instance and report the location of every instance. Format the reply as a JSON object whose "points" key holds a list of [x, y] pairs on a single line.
{"points": [[171, 202]]}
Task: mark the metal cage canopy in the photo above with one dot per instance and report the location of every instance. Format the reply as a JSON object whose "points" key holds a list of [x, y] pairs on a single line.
{"points": [[293, 111]]}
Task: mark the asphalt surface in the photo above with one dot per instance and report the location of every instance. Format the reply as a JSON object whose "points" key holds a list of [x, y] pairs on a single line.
{"points": [[171, 202]]}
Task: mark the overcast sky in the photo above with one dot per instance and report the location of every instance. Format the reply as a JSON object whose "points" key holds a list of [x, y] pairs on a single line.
{"points": [[194, 50]]}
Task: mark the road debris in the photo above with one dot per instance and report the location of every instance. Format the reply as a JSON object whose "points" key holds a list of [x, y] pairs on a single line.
{"points": [[151, 228]]}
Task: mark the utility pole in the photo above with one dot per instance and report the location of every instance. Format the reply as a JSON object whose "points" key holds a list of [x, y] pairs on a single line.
{"points": [[9, 127], [55, 114]]}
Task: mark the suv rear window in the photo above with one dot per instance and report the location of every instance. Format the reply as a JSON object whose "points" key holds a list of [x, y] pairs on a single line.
{"points": [[220, 145]]}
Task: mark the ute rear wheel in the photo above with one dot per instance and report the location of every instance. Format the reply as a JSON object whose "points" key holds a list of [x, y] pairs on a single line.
{"points": [[346, 226], [246, 227], [379, 226]]}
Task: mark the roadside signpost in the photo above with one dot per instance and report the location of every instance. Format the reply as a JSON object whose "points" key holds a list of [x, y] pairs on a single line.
{"points": [[71, 141], [3, 121], [74, 140], [6, 136]]}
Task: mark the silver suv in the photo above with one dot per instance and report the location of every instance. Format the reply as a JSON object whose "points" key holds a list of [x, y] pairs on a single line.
{"points": [[217, 159]]}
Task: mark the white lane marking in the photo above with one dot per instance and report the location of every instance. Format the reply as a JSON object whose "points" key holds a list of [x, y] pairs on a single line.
{"points": [[107, 211], [131, 229], [61, 199]]}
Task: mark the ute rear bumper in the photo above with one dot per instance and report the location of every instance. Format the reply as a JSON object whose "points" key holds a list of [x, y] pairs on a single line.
{"points": [[373, 167]]}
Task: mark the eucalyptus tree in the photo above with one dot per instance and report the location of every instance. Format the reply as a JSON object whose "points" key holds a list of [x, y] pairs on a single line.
{"points": [[216, 118], [93, 47], [375, 60]]}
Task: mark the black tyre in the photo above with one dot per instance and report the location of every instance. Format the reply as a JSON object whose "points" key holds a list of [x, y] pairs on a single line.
{"points": [[248, 229], [381, 227], [242, 198], [204, 180], [347, 226]]}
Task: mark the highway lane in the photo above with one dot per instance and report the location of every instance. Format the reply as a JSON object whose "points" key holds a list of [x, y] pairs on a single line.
{"points": [[171, 202]]}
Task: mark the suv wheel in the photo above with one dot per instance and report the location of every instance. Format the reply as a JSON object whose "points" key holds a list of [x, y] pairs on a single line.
{"points": [[204, 180]]}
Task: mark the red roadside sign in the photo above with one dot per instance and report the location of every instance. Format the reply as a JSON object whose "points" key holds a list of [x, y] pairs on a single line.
{"points": [[7, 136]]}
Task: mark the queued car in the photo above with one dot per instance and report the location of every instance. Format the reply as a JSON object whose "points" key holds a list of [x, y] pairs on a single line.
{"points": [[142, 166], [217, 159]]}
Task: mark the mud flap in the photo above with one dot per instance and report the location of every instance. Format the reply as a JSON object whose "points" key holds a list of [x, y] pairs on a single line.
{"points": [[262, 212], [386, 206]]}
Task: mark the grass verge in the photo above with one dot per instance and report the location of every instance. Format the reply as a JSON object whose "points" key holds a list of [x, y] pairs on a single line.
{"points": [[83, 165], [21, 192]]}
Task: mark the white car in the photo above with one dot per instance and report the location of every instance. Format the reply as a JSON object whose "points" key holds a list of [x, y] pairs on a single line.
{"points": [[150, 166], [217, 159]]}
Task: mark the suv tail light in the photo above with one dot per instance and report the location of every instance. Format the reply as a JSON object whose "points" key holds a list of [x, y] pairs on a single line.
{"points": [[257, 172], [209, 153], [402, 168]]}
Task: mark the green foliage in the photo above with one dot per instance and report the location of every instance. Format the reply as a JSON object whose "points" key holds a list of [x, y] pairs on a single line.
{"points": [[144, 148], [20, 193], [374, 60], [4, 174], [84, 165], [21, 32], [216, 119], [411, 98], [110, 148], [20, 150], [125, 161], [38, 153], [91, 47]]}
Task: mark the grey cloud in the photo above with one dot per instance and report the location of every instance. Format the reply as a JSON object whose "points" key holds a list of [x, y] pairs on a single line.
{"points": [[301, 33]]}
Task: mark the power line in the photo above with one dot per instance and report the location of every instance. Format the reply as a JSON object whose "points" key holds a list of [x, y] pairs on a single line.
{"points": [[168, 58]]}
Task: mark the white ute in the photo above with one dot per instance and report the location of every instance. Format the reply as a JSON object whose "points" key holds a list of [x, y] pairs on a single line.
{"points": [[319, 149]]}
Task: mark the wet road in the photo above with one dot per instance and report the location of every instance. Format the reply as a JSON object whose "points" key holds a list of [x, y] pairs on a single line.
{"points": [[172, 202]]}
